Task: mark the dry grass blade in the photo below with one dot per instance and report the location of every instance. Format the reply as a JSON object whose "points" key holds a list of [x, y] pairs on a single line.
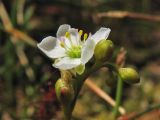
{"points": [[20, 16], [22, 36], [9, 28], [23, 59], [121, 57], [5, 18], [103, 95], [126, 14], [15, 36]]}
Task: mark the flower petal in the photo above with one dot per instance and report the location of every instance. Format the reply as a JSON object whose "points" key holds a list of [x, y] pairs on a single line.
{"points": [[102, 33], [67, 63], [50, 47], [62, 30], [75, 38], [87, 50], [66, 41], [89, 45]]}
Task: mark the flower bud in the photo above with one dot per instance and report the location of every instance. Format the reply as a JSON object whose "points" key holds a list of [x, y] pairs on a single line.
{"points": [[129, 75], [104, 50], [64, 91]]}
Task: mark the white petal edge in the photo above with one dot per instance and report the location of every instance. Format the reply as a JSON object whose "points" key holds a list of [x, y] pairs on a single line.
{"points": [[75, 38], [89, 45], [67, 63], [87, 51], [102, 33], [50, 47], [62, 30]]}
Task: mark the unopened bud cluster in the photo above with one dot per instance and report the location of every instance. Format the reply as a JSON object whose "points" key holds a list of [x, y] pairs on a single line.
{"points": [[104, 51]]}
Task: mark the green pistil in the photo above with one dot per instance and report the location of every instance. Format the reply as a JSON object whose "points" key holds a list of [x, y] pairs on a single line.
{"points": [[74, 52]]}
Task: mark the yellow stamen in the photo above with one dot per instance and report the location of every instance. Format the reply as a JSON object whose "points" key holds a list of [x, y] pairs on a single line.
{"points": [[67, 35], [80, 32], [85, 36], [62, 45]]}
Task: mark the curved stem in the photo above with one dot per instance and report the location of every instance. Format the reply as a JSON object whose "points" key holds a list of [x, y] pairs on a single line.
{"points": [[80, 79], [118, 96], [119, 88]]}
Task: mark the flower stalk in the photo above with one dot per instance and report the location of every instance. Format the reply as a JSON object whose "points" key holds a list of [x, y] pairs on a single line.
{"points": [[118, 96]]}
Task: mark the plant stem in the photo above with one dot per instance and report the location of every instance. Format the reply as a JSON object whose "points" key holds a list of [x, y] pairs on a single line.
{"points": [[145, 111], [67, 113], [81, 79], [118, 96]]}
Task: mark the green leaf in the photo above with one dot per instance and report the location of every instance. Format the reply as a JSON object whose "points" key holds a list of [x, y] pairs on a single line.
{"points": [[14, 12], [28, 14]]}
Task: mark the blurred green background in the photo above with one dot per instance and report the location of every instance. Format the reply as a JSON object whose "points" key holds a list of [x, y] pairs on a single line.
{"points": [[27, 78]]}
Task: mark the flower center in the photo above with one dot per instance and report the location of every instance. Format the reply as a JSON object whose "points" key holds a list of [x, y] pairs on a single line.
{"points": [[74, 52]]}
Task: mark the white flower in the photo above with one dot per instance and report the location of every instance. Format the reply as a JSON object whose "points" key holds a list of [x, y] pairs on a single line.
{"points": [[71, 49]]}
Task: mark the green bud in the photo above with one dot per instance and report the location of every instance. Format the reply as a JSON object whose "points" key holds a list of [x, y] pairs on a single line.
{"points": [[129, 75], [64, 91], [104, 50]]}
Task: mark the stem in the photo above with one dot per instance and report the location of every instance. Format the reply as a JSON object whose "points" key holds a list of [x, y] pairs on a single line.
{"points": [[118, 96], [67, 113], [145, 111], [79, 83], [81, 79]]}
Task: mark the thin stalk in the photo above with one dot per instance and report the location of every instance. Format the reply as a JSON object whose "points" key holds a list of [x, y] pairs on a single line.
{"points": [[79, 82], [67, 113], [118, 96], [81, 79]]}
